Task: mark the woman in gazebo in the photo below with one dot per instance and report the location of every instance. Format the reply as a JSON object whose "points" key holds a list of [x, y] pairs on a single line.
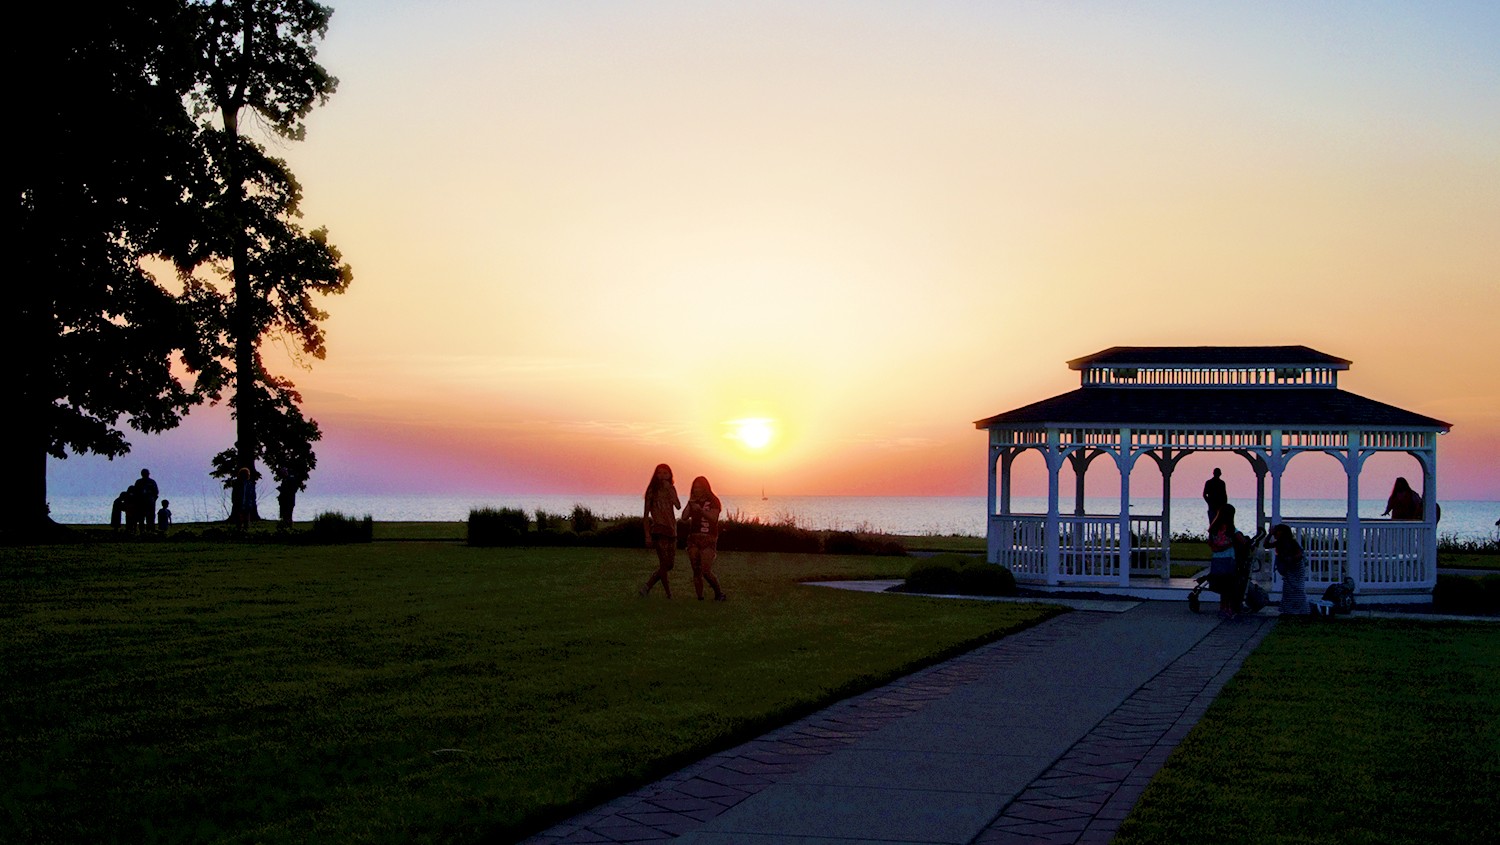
{"points": [[1404, 503]]}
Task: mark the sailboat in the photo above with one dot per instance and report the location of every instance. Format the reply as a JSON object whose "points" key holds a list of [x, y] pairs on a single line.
{"points": [[763, 494]]}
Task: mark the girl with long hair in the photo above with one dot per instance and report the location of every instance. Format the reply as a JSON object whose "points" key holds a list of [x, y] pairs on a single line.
{"points": [[660, 522], [702, 517]]}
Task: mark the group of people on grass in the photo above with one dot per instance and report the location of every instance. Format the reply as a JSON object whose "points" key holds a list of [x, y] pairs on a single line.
{"points": [[697, 528], [1225, 543], [135, 507]]}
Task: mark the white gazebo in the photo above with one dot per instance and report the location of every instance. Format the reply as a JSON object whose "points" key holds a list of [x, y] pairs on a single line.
{"points": [[1266, 404]]}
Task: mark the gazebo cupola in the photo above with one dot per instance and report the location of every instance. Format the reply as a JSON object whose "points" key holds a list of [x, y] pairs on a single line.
{"points": [[1266, 404]]}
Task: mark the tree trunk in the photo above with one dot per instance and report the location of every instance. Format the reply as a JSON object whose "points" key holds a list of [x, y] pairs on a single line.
{"points": [[23, 502], [245, 335]]}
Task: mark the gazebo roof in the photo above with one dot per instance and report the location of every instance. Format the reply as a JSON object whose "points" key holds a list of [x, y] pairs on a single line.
{"points": [[1209, 356], [1219, 408]]}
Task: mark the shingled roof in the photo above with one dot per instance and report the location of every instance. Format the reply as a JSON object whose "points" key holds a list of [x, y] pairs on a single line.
{"points": [[1185, 409], [1209, 356]]}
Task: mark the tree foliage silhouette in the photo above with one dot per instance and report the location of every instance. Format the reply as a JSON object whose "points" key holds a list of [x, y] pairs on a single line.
{"points": [[258, 60], [103, 158]]}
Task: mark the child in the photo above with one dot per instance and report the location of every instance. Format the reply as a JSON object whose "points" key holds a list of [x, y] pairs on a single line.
{"points": [[164, 516]]}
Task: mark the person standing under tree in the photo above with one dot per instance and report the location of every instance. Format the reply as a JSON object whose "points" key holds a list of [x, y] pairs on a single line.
{"points": [[148, 491], [660, 522], [702, 517]]}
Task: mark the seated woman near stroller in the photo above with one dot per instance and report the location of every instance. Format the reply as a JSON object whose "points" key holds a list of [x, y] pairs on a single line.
{"points": [[1292, 569]]}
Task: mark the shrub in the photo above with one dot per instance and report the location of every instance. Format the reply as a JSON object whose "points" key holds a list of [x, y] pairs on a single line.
{"points": [[334, 527], [850, 543], [963, 575], [623, 533], [497, 527], [584, 520], [756, 536], [1464, 594]]}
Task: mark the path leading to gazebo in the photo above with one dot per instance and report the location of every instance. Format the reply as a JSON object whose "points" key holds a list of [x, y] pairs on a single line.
{"points": [[1049, 735]]}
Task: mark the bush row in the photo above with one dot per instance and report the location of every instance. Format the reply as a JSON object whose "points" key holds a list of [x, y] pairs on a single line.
{"points": [[511, 527], [962, 575]]}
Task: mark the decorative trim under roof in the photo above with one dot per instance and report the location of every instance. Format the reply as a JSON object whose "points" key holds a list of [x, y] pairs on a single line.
{"points": [[1224, 408]]}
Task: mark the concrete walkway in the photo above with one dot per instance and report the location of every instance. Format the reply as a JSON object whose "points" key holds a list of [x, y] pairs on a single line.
{"points": [[1050, 735]]}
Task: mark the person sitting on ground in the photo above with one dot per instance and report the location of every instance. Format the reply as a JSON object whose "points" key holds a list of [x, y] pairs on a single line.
{"points": [[1292, 569], [164, 516], [1404, 502], [702, 517]]}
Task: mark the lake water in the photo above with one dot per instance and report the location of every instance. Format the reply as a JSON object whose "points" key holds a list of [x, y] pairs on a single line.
{"points": [[892, 514]]}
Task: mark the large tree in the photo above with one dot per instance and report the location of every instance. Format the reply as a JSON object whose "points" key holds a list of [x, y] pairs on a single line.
{"points": [[101, 164], [258, 57]]}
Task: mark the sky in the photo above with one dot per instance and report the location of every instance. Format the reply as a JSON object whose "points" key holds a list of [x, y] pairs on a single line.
{"points": [[588, 237]]}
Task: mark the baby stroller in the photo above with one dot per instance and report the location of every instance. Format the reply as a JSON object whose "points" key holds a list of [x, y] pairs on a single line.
{"points": [[1244, 593]]}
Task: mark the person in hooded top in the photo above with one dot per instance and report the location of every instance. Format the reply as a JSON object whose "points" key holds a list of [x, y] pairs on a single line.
{"points": [[702, 518], [660, 522]]}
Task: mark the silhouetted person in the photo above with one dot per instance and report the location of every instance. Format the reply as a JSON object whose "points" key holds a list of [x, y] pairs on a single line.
{"points": [[660, 521], [1223, 568], [1215, 494], [118, 509], [702, 518], [135, 507], [1404, 503], [164, 516], [148, 491]]}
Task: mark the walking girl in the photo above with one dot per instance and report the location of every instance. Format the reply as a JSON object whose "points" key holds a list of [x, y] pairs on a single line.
{"points": [[660, 522], [702, 517]]}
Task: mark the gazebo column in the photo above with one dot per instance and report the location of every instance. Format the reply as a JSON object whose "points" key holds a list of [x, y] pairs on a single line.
{"points": [[1276, 463], [1428, 459], [1125, 459], [1354, 545], [1080, 461], [1166, 462], [992, 539], [1052, 535]]}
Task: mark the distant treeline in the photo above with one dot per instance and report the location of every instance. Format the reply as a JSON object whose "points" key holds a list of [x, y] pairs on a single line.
{"points": [[514, 527]]}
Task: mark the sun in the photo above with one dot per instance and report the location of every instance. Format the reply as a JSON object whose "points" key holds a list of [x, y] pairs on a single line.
{"points": [[754, 433]]}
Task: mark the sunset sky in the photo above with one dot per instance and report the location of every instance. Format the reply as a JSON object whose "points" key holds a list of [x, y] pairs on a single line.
{"points": [[590, 236]]}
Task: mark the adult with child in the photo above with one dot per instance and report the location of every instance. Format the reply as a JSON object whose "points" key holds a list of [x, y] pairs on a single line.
{"points": [[701, 516], [1223, 571], [660, 522], [1292, 568]]}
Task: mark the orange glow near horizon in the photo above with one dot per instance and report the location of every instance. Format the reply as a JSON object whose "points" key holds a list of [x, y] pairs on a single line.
{"points": [[805, 246]]}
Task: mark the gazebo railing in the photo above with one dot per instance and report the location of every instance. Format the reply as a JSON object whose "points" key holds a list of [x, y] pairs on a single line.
{"points": [[1088, 546], [1394, 554]]}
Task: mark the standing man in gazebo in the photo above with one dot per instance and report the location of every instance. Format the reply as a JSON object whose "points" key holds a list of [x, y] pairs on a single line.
{"points": [[1215, 494]]}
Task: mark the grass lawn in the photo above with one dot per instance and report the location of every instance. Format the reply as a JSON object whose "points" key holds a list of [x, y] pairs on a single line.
{"points": [[1351, 731], [408, 691]]}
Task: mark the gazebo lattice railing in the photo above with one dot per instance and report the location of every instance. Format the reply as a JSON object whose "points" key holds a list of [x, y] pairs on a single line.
{"points": [[1265, 404]]}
